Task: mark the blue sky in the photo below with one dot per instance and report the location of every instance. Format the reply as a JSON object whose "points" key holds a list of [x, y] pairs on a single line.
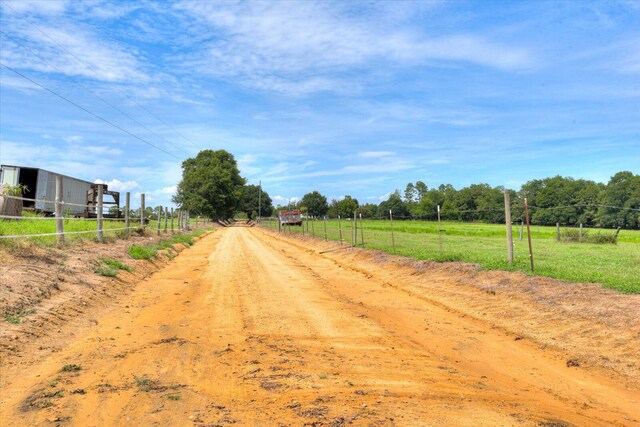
{"points": [[351, 98]]}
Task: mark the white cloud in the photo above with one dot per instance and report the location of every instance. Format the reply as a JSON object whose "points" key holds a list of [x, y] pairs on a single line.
{"points": [[297, 47], [376, 154], [117, 185], [39, 7], [73, 138]]}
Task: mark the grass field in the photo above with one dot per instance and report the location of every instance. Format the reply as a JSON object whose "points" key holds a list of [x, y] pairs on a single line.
{"points": [[28, 226], [615, 266]]}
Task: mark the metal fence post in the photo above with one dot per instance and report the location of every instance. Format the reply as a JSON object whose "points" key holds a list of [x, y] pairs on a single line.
{"points": [[100, 230], [439, 231], [142, 210], [127, 205], [166, 219], [393, 239], [526, 211], [507, 221], [159, 214], [172, 220], [58, 211]]}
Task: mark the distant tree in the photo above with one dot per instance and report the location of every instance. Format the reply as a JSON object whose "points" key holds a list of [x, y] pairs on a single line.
{"points": [[252, 196], [396, 205], [409, 193], [621, 200], [315, 203], [421, 190], [346, 207], [449, 211], [368, 210], [211, 185]]}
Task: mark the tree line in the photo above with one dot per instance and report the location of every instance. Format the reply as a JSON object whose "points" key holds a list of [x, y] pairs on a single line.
{"points": [[212, 186], [558, 199]]}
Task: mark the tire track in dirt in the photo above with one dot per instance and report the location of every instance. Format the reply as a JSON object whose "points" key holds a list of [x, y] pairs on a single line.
{"points": [[245, 328]]}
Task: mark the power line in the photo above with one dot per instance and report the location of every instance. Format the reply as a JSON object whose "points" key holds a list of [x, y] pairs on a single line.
{"points": [[94, 94], [88, 111], [92, 68]]}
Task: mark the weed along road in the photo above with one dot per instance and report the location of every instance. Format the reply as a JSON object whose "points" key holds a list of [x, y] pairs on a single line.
{"points": [[252, 328]]}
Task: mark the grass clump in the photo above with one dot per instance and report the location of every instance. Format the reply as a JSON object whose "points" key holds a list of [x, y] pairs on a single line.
{"points": [[142, 252], [172, 396], [71, 368], [116, 264], [14, 317]]}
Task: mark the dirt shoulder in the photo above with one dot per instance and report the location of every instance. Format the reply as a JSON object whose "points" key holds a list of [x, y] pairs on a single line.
{"points": [[49, 294]]}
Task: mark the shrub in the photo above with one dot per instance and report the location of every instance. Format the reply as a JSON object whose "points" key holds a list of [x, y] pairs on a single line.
{"points": [[116, 264]]}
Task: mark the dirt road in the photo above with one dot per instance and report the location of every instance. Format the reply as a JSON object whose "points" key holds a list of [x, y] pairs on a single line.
{"points": [[248, 328]]}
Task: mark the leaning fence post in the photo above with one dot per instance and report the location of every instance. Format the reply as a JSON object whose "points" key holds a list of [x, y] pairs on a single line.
{"points": [[127, 205], [439, 232], [58, 210], [393, 239], [159, 215], [142, 211], [507, 221], [100, 231], [526, 211]]}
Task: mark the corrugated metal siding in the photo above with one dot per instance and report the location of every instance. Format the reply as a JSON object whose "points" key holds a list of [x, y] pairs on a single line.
{"points": [[73, 191]]}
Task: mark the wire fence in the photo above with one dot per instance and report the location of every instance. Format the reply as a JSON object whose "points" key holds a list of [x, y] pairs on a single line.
{"points": [[95, 219], [565, 252]]}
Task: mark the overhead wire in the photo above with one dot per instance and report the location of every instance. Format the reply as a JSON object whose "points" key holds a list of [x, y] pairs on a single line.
{"points": [[95, 71], [94, 93], [87, 111]]}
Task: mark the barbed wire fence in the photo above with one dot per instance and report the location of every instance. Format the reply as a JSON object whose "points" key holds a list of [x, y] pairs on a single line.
{"points": [[96, 220], [516, 244]]}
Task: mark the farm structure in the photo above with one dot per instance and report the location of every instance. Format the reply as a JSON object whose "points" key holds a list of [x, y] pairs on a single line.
{"points": [[39, 191], [290, 217]]}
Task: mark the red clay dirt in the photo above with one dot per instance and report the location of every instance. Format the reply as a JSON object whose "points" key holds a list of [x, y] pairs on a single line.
{"points": [[251, 328]]}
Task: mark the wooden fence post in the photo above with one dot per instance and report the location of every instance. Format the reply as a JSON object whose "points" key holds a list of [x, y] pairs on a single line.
{"points": [[393, 239], [526, 211], [439, 232], [58, 211], [100, 231], [159, 214], [340, 229], [507, 221], [166, 218], [127, 206], [142, 211], [361, 231], [171, 220]]}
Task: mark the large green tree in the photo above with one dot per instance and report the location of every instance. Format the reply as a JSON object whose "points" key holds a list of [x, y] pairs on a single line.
{"points": [[315, 203], [252, 196], [211, 184]]}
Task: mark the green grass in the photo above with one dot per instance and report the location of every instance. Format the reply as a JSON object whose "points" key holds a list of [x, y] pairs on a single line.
{"points": [[149, 251], [616, 266], [15, 316], [142, 252], [43, 226], [110, 267], [71, 368]]}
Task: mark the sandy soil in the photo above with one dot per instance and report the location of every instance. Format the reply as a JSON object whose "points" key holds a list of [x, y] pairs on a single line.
{"points": [[251, 328]]}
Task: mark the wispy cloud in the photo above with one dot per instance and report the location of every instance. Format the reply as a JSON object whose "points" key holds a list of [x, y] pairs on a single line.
{"points": [[304, 47]]}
